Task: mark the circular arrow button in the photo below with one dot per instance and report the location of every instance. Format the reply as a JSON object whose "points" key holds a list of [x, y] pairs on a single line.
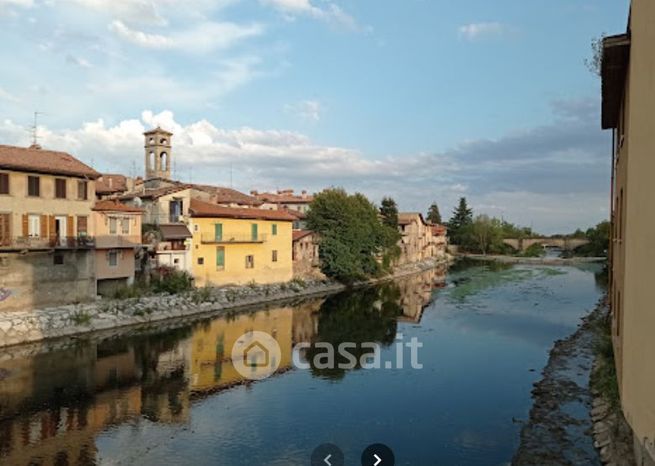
{"points": [[327, 454], [378, 454]]}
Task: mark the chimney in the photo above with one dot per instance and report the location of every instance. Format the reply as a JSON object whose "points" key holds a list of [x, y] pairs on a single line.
{"points": [[111, 182], [304, 194], [254, 192]]}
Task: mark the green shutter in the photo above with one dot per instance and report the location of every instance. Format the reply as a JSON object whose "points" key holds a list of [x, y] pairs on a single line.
{"points": [[218, 231], [220, 257], [274, 229], [254, 232]]}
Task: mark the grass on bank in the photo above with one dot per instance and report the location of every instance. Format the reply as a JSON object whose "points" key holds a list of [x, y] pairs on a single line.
{"points": [[604, 379]]}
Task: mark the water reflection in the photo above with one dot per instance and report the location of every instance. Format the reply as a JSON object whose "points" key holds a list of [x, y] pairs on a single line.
{"points": [[53, 405]]}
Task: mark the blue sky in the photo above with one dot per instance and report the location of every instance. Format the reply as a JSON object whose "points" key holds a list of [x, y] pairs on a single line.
{"points": [[419, 99]]}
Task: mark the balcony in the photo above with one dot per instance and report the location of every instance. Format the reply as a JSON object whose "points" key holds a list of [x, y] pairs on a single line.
{"points": [[117, 242], [208, 238], [30, 242]]}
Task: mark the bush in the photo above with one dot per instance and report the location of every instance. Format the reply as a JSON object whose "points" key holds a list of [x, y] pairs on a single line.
{"points": [[171, 280], [534, 250]]}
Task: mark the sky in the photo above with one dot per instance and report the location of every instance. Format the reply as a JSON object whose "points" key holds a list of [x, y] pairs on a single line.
{"points": [[421, 100]]}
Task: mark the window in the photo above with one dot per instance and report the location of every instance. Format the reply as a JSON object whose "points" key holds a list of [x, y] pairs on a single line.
{"points": [[274, 229], [175, 209], [82, 191], [250, 262], [220, 258], [4, 183], [176, 261], [125, 226], [33, 186], [201, 260], [254, 234], [58, 259], [60, 188], [274, 256], [218, 232], [34, 226], [112, 258], [113, 225], [82, 225]]}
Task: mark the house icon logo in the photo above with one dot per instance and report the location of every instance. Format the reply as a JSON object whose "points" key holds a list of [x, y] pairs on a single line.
{"points": [[256, 355]]}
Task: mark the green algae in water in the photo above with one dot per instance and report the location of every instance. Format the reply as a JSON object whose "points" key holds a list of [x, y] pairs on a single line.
{"points": [[478, 279]]}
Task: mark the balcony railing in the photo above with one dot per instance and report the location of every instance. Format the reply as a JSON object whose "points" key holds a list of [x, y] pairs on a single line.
{"points": [[31, 242], [208, 238]]}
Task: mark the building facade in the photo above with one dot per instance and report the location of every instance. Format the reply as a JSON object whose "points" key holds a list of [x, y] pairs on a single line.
{"points": [[46, 232], [118, 240], [416, 238], [306, 261], [239, 246], [628, 109], [285, 199]]}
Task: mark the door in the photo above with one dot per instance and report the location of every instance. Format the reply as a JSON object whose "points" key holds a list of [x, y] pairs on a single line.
{"points": [[254, 231], [60, 229]]}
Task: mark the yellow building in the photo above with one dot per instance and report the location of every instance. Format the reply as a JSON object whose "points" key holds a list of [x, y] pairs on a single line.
{"points": [[239, 246], [628, 68]]}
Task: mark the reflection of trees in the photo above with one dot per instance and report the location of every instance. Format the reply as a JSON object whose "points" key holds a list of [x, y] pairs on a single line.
{"points": [[365, 315]]}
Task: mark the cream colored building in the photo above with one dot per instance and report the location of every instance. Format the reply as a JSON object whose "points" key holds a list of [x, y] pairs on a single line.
{"points": [[46, 232], [416, 238], [628, 109], [118, 240]]}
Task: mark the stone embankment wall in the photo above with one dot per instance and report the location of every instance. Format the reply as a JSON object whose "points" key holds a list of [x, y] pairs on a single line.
{"points": [[104, 314]]}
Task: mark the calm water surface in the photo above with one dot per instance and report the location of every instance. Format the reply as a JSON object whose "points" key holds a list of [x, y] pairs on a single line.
{"points": [[172, 397]]}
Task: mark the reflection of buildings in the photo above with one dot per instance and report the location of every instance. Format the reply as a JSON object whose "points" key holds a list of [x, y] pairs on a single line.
{"points": [[211, 346], [85, 390], [416, 293]]}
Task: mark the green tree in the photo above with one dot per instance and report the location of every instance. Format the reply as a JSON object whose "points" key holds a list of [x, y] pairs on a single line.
{"points": [[460, 223], [354, 243], [389, 212], [486, 234], [434, 216]]}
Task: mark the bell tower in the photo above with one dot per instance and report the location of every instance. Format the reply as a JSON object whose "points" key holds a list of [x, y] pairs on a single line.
{"points": [[158, 153]]}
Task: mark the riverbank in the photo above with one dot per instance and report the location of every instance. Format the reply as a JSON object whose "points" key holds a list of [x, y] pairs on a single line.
{"points": [[105, 314], [533, 260], [558, 431]]}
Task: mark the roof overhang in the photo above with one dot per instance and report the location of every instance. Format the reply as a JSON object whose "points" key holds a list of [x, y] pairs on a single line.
{"points": [[614, 68]]}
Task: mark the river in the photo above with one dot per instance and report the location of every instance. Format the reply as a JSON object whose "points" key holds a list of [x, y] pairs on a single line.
{"points": [[173, 397]]}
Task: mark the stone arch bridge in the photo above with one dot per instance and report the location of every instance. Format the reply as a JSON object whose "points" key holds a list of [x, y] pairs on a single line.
{"points": [[567, 244]]}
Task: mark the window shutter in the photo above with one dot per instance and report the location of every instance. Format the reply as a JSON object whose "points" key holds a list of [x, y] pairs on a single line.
{"points": [[70, 226], [44, 226], [51, 226], [26, 227], [218, 231]]}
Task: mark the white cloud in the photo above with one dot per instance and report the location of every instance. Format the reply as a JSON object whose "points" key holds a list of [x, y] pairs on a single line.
{"points": [[78, 61], [8, 7], [331, 13], [5, 95], [203, 38], [310, 110], [476, 31]]}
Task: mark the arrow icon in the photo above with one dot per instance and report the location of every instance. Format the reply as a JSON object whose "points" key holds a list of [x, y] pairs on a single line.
{"points": [[326, 460], [379, 460]]}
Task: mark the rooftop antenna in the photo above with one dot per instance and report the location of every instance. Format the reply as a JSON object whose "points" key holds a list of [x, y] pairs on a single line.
{"points": [[35, 129], [174, 168], [133, 170]]}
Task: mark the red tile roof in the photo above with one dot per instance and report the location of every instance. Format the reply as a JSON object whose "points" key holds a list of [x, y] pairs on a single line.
{"points": [[286, 196], [300, 234], [439, 230], [113, 206], [111, 183], [36, 160], [205, 209]]}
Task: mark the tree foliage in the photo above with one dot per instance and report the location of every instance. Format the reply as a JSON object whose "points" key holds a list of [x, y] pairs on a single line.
{"points": [[595, 63], [354, 243], [389, 212], [460, 223], [599, 240], [434, 216]]}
